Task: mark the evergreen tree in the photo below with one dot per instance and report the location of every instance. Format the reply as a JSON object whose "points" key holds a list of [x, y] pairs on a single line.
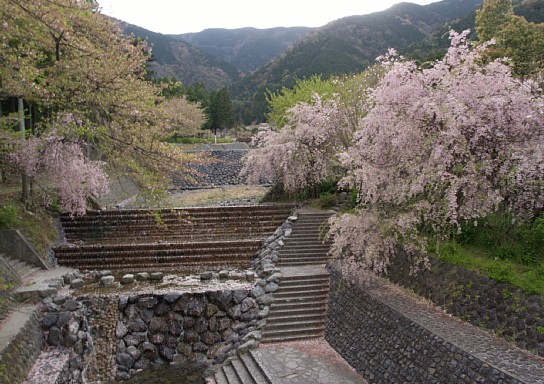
{"points": [[493, 16], [516, 38], [221, 113]]}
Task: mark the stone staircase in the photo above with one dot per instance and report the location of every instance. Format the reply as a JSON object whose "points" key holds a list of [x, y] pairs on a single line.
{"points": [[22, 270], [242, 369], [159, 256], [174, 225], [299, 308], [168, 239], [305, 245]]}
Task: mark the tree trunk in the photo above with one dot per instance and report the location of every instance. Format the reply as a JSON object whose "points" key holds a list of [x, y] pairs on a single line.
{"points": [[25, 185]]}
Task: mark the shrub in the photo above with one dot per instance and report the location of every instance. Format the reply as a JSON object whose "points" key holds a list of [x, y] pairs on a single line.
{"points": [[326, 200], [9, 215]]}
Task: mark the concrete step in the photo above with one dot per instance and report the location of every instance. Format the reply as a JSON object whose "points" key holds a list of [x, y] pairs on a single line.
{"points": [[302, 247], [296, 311], [220, 377], [276, 336], [310, 285], [255, 370], [284, 305], [230, 373], [301, 301], [300, 317], [303, 256], [241, 371], [291, 285], [23, 270], [301, 263], [290, 325], [298, 294], [311, 238]]}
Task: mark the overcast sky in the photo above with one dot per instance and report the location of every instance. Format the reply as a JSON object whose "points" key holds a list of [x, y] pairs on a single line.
{"points": [[175, 17]]}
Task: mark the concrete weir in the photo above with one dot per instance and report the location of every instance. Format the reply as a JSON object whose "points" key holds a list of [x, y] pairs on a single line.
{"points": [[174, 239], [109, 332]]}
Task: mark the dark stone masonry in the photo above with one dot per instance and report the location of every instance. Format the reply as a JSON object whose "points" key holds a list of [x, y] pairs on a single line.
{"points": [[498, 307], [386, 347], [222, 168], [17, 359]]}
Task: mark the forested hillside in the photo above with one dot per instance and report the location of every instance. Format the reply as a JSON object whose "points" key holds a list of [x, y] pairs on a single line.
{"points": [[174, 58], [245, 48], [349, 45]]}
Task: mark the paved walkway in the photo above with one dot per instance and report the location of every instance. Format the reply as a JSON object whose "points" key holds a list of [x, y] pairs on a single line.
{"points": [[305, 362]]}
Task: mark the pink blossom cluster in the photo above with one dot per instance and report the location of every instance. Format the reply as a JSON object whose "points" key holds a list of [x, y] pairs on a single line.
{"points": [[303, 153], [57, 164], [441, 146]]}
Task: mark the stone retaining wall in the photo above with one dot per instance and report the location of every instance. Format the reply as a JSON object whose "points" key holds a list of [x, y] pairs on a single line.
{"points": [[196, 327], [222, 169], [479, 300], [15, 244], [19, 356], [386, 347]]}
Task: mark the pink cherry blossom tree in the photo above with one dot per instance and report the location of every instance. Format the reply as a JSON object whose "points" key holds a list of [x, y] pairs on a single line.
{"points": [[441, 146], [305, 151], [57, 165]]}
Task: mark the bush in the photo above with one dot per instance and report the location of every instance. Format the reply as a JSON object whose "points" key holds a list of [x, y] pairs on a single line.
{"points": [[9, 215], [326, 200]]}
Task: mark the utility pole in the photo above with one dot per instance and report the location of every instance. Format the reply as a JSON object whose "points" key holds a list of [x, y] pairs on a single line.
{"points": [[24, 179]]}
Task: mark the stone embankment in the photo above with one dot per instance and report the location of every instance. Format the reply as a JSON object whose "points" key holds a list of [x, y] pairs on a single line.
{"points": [[390, 337], [473, 297], [219, 168], [21, 341]]}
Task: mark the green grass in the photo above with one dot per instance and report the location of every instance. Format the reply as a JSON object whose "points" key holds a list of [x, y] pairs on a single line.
{"points": [[530, 278]]}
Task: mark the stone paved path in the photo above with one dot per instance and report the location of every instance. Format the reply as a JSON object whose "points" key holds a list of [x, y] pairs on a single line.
{"points": [[489, 348], [305, 362]]}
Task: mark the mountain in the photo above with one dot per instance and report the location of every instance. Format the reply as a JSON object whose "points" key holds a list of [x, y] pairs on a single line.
{"points": [[436, 45], [245, 48], [247, 59], [347, 45], [176, 58], [215, 57]]}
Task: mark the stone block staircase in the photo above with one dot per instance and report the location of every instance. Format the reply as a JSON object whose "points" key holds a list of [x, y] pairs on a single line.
{"points": [[21, 269], [299, 308], [300, 304], [244, 369], [168, 239]]}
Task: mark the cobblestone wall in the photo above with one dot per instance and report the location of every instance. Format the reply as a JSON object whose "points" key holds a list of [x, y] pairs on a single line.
{"points": [[386, 347], [195, 327], [112, 337], [222, 168], [19, 356], [483, 302]]}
